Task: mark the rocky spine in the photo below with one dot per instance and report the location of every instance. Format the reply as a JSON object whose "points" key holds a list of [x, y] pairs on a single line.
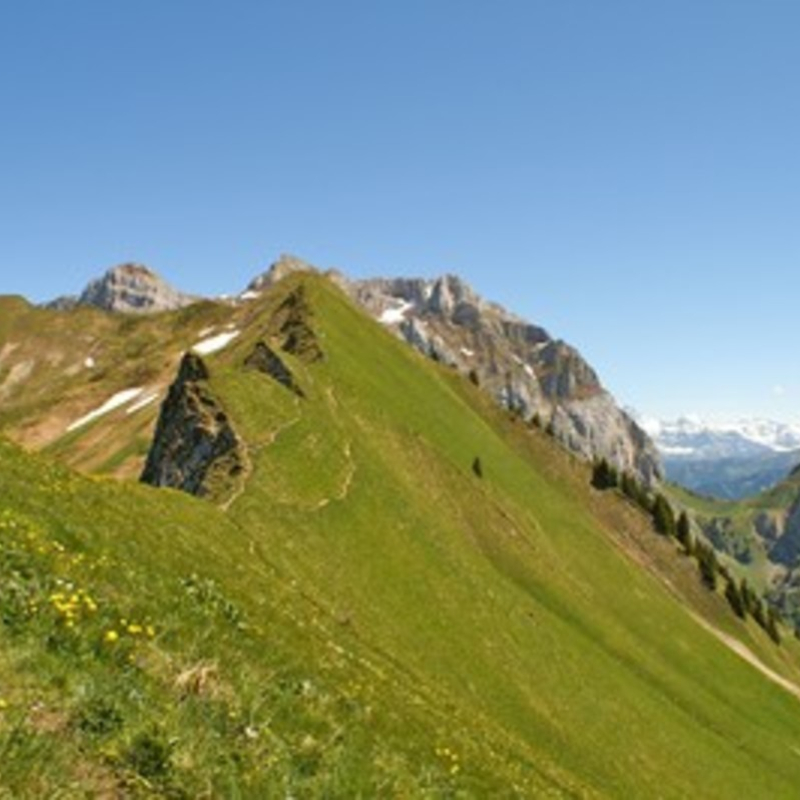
{"points": [[195, 448]]}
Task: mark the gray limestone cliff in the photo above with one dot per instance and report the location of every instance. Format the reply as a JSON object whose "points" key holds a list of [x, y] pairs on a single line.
{"points": [[130, 289]]}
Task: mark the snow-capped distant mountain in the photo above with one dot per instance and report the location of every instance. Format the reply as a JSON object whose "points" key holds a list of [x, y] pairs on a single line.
{"points": [[696, 439], [730, 460]]}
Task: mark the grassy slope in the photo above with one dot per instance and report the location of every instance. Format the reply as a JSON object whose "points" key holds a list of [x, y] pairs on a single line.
{"points": [[410, 628], [45, 384]]}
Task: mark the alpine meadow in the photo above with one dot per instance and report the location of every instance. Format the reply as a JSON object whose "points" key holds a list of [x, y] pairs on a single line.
{"points": [[348, 570]]}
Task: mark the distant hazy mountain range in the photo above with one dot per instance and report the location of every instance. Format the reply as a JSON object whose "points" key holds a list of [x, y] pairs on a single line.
{"points": [[730, 460]]}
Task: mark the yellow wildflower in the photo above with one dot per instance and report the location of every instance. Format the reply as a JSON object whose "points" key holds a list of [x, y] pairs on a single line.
{"points": [[111, 636]]}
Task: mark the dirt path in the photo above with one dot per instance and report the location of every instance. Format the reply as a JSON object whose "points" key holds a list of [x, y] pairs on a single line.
{"points": [[743, 651], [249, 452]]}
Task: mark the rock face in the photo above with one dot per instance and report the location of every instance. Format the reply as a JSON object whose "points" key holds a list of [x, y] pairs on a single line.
{"points": [[194, 449], [526, 370], [291, 326], [128, 288], [264, 359]]}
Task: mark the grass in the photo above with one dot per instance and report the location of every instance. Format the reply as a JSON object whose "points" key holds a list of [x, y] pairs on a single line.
{"points": [[369, 618]]}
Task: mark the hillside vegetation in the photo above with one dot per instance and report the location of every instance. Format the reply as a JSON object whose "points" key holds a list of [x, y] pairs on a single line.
{"points": [[365, 615]]}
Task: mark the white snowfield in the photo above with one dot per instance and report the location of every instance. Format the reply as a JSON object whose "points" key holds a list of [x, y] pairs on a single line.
{"points": [[214, 343], [141, 403], [394, 316], [691, 434], [119, 399], [249, 294]]}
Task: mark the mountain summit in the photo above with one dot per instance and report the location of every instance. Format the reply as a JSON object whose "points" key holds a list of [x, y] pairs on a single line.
{"points": [[128, 288]]}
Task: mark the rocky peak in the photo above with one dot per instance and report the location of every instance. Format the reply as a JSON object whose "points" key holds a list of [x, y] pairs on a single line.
{"points": [[285, 265], [449, 295], [128, 288]]}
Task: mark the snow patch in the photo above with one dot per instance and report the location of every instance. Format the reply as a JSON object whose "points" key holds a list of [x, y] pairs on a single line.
{"points": [[206, 331], [215, 343], [467, 352], [89, 362], [394, 316], [249, 295], [119, 399], [529, 370], [676, 451], [139, 404]]}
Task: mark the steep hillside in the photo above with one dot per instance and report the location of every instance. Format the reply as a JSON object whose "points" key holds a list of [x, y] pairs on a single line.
{"points": [[407, 592], [86, 385]]}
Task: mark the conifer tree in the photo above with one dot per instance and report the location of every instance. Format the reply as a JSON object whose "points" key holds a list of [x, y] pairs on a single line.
{"points": [[663, 516], [683, 532], [604, 476], [707, 562], [772, 626], [758, 613], [748, 598], [734, 597]]}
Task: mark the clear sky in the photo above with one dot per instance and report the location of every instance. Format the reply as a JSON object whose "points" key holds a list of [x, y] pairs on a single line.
{"points": [[625, 173]]}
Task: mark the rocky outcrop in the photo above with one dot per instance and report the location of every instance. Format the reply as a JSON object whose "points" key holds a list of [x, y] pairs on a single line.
{"points": [[130, 289], [195, 448], [786, 547], [264, 359], [291, 325]]}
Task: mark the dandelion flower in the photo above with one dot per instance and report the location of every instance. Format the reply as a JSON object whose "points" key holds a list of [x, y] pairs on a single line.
{"points": [[111, 636]]}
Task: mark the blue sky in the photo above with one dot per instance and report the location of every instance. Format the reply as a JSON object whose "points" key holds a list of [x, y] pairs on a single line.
{"points": [[624, 173]]}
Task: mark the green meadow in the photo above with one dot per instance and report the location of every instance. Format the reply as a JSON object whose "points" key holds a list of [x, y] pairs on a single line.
{"points": [[365, 616]]}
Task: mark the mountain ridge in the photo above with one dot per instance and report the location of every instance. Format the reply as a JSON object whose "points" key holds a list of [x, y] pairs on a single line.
{"points": [[517, 362]]}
